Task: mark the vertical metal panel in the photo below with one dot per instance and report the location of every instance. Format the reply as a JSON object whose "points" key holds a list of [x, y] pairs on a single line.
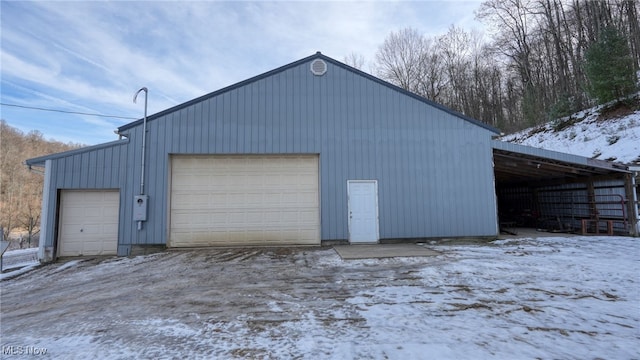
{"points": [[104, 163], [434, 170], [157, 180], [87, 169], [45, 234]]}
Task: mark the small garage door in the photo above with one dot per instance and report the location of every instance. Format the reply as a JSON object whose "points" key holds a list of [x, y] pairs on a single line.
{"points": [[88, 222], [244, 200]]}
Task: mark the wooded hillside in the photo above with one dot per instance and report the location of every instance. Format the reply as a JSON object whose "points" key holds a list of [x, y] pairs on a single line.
{"points": [[544, 59], [21, 189]]}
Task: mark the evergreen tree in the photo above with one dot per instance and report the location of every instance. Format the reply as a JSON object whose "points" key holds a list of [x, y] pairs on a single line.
{"points": [[609, 67]]}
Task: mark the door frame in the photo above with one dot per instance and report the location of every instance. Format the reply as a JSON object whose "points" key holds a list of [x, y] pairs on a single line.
{"points": [[377, 222]]}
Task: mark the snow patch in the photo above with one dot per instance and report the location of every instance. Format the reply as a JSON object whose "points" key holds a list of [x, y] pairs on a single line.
{"points": [[559, 297], [23, 269], [68, 265], [615, 139]]}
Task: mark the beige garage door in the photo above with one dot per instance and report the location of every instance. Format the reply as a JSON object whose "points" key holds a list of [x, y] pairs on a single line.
{"points": [[88, 222], [244, 200]]}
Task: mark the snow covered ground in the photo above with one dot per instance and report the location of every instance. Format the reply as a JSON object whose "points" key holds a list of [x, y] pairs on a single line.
{"points": [[22, 259], [544, 298], [585, 133]]}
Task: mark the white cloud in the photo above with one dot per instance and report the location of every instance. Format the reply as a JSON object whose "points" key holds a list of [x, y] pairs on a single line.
{"points": [[95, 55]]}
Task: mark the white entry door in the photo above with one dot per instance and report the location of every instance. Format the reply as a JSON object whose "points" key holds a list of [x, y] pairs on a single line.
{"points": [[363, 211]]}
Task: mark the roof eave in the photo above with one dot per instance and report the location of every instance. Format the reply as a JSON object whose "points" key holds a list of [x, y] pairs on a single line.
{"points": [[40, 161], [559, 156]]}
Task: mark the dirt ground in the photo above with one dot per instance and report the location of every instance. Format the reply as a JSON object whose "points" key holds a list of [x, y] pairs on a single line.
{"points": [[308, 303]]}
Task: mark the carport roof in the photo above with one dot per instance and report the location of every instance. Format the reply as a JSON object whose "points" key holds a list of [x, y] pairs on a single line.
{"points": [[514, 163]]}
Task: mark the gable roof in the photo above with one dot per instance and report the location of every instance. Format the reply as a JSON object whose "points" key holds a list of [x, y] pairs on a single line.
{"points": [[315, 56]]}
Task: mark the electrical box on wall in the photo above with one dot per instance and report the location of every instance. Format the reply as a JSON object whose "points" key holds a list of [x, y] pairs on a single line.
{"points": [[140, 203]]}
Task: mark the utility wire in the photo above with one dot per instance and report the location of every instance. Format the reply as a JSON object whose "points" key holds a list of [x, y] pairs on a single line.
{"points": [[69, 112]]}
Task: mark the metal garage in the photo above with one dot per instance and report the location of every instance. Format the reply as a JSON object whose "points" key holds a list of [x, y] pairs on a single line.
{"points": [[244, 200], [88, 222], [297, 156]]}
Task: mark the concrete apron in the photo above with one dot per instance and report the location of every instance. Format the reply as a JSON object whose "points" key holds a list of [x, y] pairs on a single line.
{"points": [[379, 251]]}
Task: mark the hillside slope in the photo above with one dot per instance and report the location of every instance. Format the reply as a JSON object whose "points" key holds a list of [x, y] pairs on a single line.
{"points": [[607, 132]]}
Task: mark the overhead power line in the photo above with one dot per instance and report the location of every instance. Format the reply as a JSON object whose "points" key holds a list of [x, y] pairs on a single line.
{"points": [[68, 112]]}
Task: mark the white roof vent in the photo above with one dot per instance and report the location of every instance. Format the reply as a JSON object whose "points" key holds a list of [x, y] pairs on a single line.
{"points": [[318, 67]]}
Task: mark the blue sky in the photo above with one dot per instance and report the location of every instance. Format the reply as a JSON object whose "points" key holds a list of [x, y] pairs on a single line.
{"points": [[92, 57]]}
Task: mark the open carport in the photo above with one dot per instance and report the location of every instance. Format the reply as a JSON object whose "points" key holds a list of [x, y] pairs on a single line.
{"points": [[562, 192]]}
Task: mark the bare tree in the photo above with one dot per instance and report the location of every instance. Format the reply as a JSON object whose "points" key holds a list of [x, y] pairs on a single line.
{"points": [[409, 60], [433, 82], [532, 69], [511, 20], [355, 60], [455, 50], [632, 10], [10, 178], [21, 189], [400, 58]]}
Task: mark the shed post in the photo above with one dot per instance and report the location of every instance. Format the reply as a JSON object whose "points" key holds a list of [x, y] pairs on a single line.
{"points": [[632, 203], [591, 198]]}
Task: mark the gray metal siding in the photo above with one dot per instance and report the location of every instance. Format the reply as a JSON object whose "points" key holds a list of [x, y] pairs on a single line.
{"points": [[434, 170], [96, 168]]}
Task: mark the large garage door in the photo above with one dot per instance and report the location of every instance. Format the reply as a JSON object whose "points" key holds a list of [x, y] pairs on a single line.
{"points": [[244, 200], [88, 222]]}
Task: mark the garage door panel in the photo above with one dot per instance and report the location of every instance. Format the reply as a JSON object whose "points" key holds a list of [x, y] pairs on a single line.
{"points": [[89, 230], [93, 247], [251, 238], [244, 218], [76, 213], [244, 200], [73, 249], [70, 229], [88, 222], [307, 217]]}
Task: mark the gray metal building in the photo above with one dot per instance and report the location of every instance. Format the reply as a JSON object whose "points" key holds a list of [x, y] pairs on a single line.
{"points": [[313, 151]]}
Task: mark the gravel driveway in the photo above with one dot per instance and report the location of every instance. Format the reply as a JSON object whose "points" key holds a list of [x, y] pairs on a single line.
{"points": [[530, 298]]}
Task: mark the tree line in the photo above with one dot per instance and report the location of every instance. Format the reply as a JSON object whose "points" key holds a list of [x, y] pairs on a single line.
{"points": [[545, 59], [20, 188]]}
